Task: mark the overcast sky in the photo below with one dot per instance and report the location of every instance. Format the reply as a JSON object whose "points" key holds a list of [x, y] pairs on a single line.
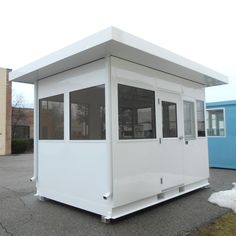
{"points": [[201, 30]]}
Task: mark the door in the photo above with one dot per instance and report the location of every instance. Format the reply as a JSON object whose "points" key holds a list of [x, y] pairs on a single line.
{"points": [[170, 115], [195, 148]]}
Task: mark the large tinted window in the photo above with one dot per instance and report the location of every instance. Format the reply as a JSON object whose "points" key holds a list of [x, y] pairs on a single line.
{"points": [[87, 113], [51, 117], [215, 122], [169, 119], [136, 113], [189, 120], [201, 119]]}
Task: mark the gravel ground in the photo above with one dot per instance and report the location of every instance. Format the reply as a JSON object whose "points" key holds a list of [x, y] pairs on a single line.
{"points": [[22, 214]]}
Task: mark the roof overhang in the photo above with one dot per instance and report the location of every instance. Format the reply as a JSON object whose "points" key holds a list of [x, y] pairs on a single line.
{"points": [[115, 42]]}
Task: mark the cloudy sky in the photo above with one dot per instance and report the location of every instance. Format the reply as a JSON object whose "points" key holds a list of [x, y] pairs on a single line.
{"points": [[200, 30]]}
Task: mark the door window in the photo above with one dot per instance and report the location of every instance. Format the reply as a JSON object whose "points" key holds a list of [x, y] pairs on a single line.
{"points": [[189, 120], [201, 119], [169, 119], [136, 108]]}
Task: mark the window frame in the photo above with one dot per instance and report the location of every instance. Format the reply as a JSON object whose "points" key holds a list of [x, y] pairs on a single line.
{"points": [[176, 115], [204, 110], [154, 115], [105, 114], [194, 122], [39, 119], [224, 115]]}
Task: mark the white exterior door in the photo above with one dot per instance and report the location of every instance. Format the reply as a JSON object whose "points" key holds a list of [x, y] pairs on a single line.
{"points": [[171, 132]]}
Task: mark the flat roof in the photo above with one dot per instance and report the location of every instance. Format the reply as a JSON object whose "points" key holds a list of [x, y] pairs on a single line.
{"points": [[221, 103], [115, 42]]}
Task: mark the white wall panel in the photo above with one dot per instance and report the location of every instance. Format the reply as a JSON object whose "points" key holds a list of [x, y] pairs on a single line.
{"points": [[138, 164], [89, 75], [76, 172]]}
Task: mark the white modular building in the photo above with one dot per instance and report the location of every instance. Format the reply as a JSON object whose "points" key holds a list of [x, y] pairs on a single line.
{"points": [[119, 123]]}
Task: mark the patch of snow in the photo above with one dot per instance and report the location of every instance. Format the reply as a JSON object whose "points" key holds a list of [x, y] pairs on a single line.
{"points": [[225, 198]]}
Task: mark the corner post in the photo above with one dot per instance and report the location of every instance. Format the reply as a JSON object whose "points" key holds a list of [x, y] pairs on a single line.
{"points": [[36, 132]]}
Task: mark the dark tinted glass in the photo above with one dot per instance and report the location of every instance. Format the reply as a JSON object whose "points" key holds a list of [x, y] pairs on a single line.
{"points": [[169, 119], [201, 119], [136, 113], [51, 117], [87, 113]]}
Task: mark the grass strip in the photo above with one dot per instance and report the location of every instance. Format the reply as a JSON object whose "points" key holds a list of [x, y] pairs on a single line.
{"points": [[223, 226]]}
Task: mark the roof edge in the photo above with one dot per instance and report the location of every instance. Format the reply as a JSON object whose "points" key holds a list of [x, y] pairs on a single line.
{"points": [[85, 43], [144, 45], [221, 103], [102, 40]]}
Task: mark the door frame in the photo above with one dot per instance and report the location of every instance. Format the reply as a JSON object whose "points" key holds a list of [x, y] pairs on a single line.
{"points": [[175, 167]]}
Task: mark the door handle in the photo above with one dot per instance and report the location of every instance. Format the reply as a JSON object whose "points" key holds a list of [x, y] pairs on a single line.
{"points": [[181, 137]]}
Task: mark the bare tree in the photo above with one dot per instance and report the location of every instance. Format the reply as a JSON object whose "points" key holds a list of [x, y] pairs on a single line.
{"points": [[18, 114]]}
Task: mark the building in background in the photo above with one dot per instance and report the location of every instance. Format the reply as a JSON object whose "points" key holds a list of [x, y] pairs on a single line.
{"points": [[22, 130], [5, 112], [221, 128], [16, 123], [22, 123]]}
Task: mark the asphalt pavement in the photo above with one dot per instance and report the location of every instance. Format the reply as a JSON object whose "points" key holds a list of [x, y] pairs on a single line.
{"points": [[23, 214]]}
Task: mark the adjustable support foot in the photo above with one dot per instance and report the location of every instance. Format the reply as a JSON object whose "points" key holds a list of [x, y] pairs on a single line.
{"points": [[105, 220], [42, 199], [206, 187]]}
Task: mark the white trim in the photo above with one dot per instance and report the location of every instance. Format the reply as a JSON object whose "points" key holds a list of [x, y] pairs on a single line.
{"points": [[108, 122], [66, 116], [225, 130], [36, 132], [136, 140], [87, 141]]}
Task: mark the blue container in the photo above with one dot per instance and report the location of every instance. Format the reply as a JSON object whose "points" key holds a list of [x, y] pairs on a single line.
{"points": [[222, 147]]}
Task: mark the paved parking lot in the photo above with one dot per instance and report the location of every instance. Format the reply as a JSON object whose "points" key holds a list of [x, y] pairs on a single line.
{"points": [[22, 214]]}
